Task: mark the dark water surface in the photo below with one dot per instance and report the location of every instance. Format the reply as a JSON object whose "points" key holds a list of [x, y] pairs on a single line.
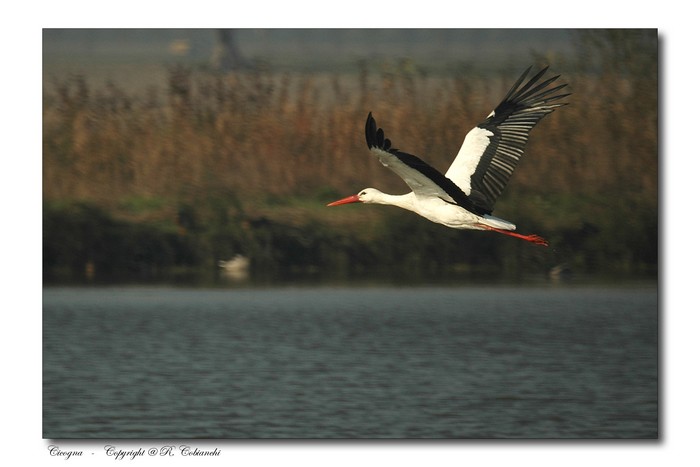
{"points": [[350, 363]]}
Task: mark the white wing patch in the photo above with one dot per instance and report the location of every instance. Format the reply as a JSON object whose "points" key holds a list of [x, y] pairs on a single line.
{"points": [[464, 165]]}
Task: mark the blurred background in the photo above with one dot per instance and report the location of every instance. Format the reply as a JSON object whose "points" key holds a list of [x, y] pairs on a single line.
{"points": [[203, 156]]}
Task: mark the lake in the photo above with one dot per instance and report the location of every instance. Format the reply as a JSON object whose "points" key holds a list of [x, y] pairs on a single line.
{"points": [[351, 362]]}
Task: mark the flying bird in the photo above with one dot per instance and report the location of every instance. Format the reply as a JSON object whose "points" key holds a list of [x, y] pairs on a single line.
{"points": [[464, 197]]}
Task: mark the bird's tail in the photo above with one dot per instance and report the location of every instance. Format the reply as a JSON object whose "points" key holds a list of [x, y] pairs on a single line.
{"points": [[496, 223]]}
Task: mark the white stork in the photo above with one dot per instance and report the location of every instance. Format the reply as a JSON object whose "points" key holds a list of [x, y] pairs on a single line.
{"points": [[464, 197]]}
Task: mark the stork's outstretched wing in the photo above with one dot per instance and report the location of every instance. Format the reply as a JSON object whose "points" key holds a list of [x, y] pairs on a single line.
{"points": [[492, 149], [423, 179]]}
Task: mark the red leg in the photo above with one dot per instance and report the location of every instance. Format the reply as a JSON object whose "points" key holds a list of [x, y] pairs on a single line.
{"points": [[536, 239]]}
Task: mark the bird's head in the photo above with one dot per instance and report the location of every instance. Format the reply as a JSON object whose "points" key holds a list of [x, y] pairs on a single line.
{"points": [[368, 195]]}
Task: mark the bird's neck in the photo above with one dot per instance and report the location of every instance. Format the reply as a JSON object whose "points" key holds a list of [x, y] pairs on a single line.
{"points": [[402, 201]]}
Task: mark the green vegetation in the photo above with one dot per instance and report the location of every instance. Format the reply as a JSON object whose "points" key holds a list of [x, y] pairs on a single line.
{"points": [[163, 184]]}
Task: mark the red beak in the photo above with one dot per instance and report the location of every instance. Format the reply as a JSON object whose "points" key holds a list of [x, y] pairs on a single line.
{"points": [[349, 199]]}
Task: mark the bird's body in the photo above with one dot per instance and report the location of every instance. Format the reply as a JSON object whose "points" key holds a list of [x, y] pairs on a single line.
{"points": [[464, 197], [434, 209]]}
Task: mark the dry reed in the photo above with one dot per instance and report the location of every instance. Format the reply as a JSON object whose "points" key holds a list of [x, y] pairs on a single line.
{"points": [[253, 135]]}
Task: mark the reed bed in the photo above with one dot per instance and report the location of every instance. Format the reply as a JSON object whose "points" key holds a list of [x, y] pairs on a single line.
{"points": [[260, 134]]}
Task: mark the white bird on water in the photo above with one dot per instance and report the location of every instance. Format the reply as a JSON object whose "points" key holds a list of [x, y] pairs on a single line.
{"points": [[464, 197]]}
